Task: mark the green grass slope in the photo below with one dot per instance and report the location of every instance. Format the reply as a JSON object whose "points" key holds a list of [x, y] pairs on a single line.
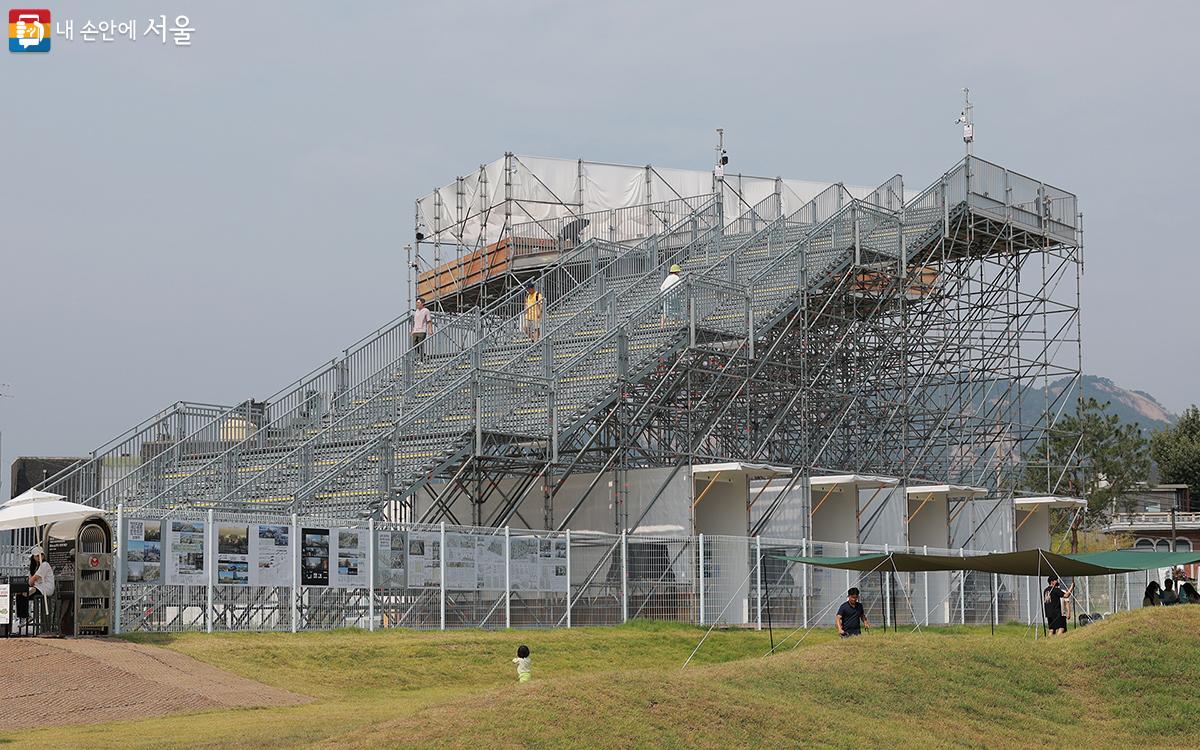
{"points": [[1128, 681], [1124, 682]]}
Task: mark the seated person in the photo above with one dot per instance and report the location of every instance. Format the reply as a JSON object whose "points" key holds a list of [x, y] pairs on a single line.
{"points": [[1151, 599], [1188, 593], [41, 583], [1169, 595]]}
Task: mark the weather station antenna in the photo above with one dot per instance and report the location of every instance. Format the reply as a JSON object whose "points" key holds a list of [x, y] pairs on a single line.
{"points": [[965, 119]]}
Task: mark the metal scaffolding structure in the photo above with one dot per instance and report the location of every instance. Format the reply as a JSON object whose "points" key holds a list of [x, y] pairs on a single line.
{"points": [[871, 332]]}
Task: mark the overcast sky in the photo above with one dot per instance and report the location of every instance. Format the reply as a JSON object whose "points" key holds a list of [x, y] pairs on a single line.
{"points": [[208, 223]]}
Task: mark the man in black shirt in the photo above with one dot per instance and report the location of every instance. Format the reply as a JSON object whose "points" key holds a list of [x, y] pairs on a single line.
{"points": [[850, 616], [1052, 599]]}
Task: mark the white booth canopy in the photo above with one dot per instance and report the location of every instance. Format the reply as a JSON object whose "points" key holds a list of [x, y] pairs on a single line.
{"points": [[730, 469], [946, 490], [861, 481], [1050, 501]]}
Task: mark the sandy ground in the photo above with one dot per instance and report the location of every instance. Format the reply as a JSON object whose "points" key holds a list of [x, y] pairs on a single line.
{"points": [[52, 682]]}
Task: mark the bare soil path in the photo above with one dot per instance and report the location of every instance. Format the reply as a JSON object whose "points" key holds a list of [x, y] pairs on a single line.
{"points": [[52, 682]]}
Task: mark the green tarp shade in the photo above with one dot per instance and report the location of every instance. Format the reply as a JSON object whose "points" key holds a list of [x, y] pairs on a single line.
{"points": [[1031, 562]]}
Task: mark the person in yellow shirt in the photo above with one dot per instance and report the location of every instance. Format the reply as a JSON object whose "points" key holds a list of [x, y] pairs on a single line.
{"points": [[524, 671], [531, 324]]}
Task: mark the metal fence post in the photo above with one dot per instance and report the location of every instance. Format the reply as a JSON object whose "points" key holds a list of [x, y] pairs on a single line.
{"points": [[1087, 592], [442, 573], [507, 581], [371, 575], [624, 579], [804, 581], [209, 559], [925, 575], [568, 578], [847, 572], [758, 566], [887, 595], [120, 568], [701, 571], [962, 591], [295, 573]]}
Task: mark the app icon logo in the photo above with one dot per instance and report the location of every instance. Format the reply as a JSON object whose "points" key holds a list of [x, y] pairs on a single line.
{"points": [[29, 30]]}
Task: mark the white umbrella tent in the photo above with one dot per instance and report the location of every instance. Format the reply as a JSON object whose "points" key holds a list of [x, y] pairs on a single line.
{"points": [[36, 508]]}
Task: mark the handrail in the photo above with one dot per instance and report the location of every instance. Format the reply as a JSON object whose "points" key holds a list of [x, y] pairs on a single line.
{"points": [[447, 365], [315, 485], [318, 483], [58, 479]]}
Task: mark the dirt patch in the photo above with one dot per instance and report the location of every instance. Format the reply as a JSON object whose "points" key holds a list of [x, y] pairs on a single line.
{"points": [[53, 682]]}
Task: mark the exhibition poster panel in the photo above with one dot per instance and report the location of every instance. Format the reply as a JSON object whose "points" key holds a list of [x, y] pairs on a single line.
{"points": [[271, 549], [350, 551], [424, 559], [233, 554], [143, 551], [553, 564], [524, 566], [460, 562], [314, 557], [184, 551], [489, 556], [391, 553]]}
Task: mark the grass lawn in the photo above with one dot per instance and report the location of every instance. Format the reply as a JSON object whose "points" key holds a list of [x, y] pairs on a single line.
{"points": [[1129, 680]]}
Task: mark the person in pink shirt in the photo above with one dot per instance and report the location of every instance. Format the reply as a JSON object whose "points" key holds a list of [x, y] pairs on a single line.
{"points": [[422, 326]]}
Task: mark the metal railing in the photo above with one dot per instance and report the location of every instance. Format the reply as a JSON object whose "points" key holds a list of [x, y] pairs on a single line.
{"points": [[1153, 521], [157, 441], [411, 401]]}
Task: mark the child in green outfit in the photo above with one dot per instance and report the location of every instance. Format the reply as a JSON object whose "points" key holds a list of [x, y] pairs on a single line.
{"points": [[524, 673]]}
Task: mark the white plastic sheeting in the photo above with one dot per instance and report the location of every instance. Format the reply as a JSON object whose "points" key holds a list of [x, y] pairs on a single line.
{"points": [[474, 209]]}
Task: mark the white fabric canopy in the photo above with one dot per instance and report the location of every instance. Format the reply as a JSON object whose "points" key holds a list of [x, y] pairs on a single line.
{"points": [[36, 508]]}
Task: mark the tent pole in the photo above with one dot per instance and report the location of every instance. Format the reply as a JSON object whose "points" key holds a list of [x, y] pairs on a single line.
{"points": [[992, 602], [882, 603], [892, 587]]}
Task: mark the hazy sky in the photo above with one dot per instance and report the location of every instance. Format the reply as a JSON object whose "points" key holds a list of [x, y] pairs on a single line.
{"points": [[208, 223]]}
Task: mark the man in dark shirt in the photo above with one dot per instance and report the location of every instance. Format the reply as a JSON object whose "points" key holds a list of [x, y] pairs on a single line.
{"points": [[1052, 599], [850, 616]]}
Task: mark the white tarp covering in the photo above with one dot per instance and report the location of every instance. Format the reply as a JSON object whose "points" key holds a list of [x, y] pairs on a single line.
{"points": [[472, 209]]}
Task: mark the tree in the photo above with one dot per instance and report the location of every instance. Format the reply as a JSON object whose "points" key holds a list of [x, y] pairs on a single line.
{"points": [[1090, 454], [1176, 450]]}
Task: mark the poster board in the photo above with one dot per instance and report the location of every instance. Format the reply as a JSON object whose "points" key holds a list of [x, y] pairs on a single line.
{"points": [[391, 560], [424, 560], [271, 551], [5, 604], [524, 563], [489, 560], [552, 554], [461, 573], [350, 550], [314, 556], [184, 552], [233, 554], [143, 551]]}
